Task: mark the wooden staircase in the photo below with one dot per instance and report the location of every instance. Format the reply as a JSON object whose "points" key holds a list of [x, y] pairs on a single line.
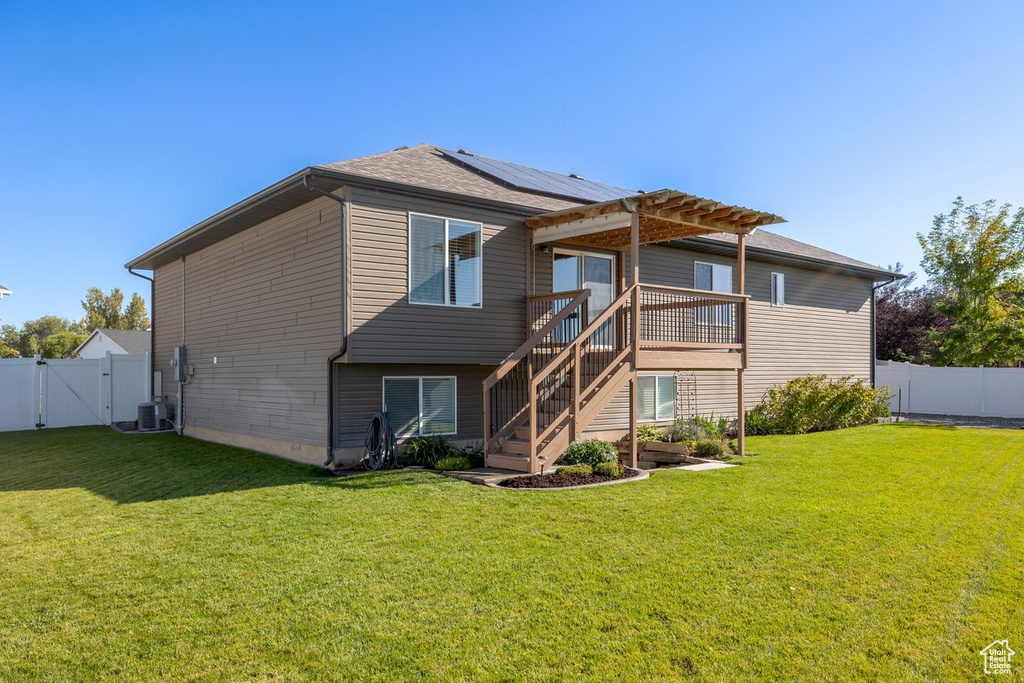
{"points": [[550, 389]]}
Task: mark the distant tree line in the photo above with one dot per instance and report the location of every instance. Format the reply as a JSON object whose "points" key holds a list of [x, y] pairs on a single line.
{"points": [[54, 337], [971, 312]]}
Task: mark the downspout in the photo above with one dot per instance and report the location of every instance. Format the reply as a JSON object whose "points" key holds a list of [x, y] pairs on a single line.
{"points": [[344, 319], [182, 372], [152, 323]]}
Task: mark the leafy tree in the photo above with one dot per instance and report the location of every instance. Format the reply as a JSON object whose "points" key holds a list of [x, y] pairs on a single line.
{"points": [[33, 332], [974, 257], [10, 340], [107, 311], [61, 344], [905, 318]]}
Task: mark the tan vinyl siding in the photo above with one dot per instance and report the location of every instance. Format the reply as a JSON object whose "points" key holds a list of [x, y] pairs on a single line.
{"points": [[360, 389], [266, 303], [388, 329]]}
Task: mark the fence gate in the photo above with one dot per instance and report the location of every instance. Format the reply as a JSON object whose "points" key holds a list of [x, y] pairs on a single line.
{"points": [[37, 393]]}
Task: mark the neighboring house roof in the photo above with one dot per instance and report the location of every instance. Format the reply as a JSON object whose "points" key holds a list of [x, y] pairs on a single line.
{"points": [[4, 292], [133, 342], [456, 176]]}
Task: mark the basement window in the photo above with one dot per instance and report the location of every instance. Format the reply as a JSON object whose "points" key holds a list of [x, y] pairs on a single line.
{"points": [[778, 289], [657, 398], [420, 406], [445, 261]]}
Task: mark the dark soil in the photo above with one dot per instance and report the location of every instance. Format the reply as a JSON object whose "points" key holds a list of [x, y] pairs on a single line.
{"points": [[560, 481]]}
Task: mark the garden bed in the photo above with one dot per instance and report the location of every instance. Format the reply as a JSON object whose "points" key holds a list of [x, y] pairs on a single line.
{"points": [[564, 481]]}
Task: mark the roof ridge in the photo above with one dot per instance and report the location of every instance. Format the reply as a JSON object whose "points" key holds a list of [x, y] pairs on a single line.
{"points": [[379, 154]]}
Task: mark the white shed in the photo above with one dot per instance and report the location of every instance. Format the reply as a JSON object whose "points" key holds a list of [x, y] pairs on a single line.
{"points": [[131, 342]]}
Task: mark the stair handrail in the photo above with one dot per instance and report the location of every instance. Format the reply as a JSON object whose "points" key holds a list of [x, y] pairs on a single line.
{"points": [[580, 297], [585, 334]]}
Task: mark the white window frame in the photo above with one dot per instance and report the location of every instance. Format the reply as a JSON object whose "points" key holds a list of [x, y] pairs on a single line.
{"points": [[675, 397], [419, 421], [447, 290], [717, 312], [778, 293]]}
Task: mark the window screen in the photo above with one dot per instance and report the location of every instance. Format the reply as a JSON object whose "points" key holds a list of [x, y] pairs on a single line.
{"points": [[402, 404], [438, 405]]}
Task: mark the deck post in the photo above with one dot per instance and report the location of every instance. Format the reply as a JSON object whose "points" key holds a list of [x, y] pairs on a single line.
{"points": [[634, 332], [741, 311]]}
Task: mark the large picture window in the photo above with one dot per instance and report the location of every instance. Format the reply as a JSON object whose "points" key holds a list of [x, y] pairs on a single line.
{"points": [[657, 399], [445, 261], [420, 406]]}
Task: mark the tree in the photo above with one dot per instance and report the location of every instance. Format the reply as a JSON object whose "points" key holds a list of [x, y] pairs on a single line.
{"points": [[9, 341], [974, 256], [61, 344], [105, 310], [905, 318], [33, 332]]}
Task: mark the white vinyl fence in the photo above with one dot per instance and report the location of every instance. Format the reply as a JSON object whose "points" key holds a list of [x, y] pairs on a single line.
{"points": [[987, 392], [37, 393]]}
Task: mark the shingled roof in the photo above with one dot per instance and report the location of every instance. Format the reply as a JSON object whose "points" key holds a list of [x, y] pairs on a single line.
{"points": [[456, 174]]}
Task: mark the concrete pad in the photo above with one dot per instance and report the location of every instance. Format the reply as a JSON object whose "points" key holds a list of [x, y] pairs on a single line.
{"points": [[703, 466]]}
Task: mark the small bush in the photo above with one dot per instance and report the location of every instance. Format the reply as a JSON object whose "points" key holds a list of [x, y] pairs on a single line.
{"points": [[453, 463], [817, 404], [592, 452], [608, 469], [688, 430], [426, 451], [646, 433], [708, 449], [580, 470], [475, 455]]}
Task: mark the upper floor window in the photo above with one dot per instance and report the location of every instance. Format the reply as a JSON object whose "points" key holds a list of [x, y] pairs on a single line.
{"points": [[778, 289], [445, 261]]}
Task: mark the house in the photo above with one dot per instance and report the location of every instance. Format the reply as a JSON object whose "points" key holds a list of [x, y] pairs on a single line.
{"points": [[96, 345], [4, 292], [488, 301]]}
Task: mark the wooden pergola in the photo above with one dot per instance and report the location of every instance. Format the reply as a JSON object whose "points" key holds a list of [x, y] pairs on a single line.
{"points": [[624, 224]]}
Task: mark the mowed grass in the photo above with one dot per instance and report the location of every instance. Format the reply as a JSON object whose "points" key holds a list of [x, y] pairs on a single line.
{"points": [[881, 553]]}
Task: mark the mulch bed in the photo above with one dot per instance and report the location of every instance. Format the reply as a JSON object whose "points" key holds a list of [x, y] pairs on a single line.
{"points": [[560, 481]]}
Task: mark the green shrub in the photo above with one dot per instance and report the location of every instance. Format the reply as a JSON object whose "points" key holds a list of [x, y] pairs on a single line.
{"points": [[708, 449], [646, 433], [425, 451], [608, 469], [475, 455], [715, 428], [817, 404], [453, 463], [688, 430], [592, 452], [581, 470]]}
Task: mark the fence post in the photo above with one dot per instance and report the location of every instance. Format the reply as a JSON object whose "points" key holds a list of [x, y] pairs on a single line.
{"points": [[38, 393], [106, 387]]}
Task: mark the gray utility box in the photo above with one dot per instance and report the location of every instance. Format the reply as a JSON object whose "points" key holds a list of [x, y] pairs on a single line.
{"points": [[179, 362]]}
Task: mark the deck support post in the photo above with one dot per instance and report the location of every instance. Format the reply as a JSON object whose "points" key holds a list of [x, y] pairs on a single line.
{"points": [[741, 417], [634, 333]]}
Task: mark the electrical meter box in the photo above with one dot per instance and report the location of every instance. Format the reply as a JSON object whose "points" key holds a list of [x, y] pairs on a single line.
{"points": [[179, 363]]}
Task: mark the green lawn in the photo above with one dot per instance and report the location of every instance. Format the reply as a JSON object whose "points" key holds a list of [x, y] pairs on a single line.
{"points": [[880, 553]]}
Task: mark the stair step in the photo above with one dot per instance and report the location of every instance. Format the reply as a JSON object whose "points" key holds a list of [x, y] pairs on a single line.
{"points": [[517, 463], [515, 446], [523, 433]]}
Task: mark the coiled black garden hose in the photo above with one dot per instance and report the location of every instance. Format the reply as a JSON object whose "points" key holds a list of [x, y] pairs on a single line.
{"points": [[381, 452]]}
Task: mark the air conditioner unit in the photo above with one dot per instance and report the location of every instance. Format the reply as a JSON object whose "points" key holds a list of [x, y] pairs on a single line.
{"points": [[151, 416]]}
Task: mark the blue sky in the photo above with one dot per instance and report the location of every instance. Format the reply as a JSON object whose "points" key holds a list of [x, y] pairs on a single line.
{"points": [[123, 124]]}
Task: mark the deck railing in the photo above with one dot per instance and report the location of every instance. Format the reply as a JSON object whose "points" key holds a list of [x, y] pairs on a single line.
{"points": [[678, 317]]}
